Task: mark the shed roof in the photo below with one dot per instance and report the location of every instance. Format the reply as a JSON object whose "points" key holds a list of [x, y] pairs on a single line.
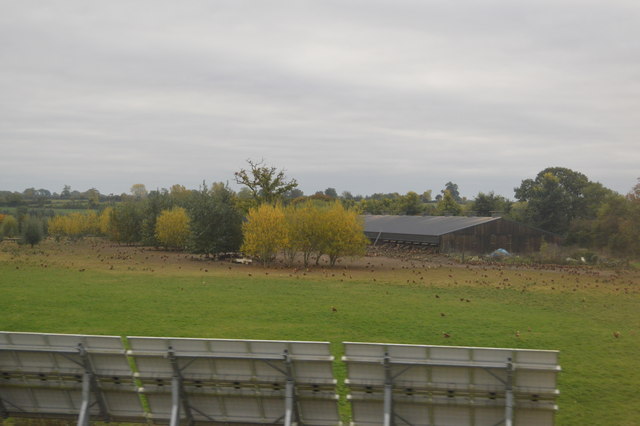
{"points": [[421, 225]]}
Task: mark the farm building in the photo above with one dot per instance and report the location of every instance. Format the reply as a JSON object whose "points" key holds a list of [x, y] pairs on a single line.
{"points": [[457, 233]]}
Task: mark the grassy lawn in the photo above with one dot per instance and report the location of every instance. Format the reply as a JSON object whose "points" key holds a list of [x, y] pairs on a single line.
{"points": [[94, 288]]}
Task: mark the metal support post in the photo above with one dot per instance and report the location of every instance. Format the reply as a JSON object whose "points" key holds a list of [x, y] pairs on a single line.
{"points": [[288, 403], [178, 394], [83, 418], [289, 391], [388, 388], [508, 398], [175, 401]]}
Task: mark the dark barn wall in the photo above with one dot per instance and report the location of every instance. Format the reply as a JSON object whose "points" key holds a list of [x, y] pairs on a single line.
{"points": [[501, 233]]}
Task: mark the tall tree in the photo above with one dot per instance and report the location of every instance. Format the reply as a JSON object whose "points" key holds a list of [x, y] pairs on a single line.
{"points": [[453, 190], [93, 196], [331, 192], [216, 222], [448, 205], [139, 191], [557, 196], [152, 206], [126, 222], [66, 192], [33, 231], [266, 183], [549, 206]]}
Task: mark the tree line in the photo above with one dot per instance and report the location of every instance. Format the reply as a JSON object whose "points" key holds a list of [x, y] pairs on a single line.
{"points": [[210, 219]]}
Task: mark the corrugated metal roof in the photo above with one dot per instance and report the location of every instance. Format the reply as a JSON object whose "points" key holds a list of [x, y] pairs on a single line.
{"points": [[421, 225]]}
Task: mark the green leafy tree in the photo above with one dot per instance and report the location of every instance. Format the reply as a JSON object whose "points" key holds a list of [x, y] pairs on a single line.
{"points": [[487, 204], [453, 190], [66, 192], [266, 183], [549, 206], [557, 196], [126, 222], [410, 204], [293, 195], [617, 227], [331, 192], [33, 231], [448, 205], [14, 199], [216, 221]]}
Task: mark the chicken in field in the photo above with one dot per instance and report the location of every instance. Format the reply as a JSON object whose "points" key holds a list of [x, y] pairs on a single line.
{"points": [[616, 334], [334, 309]]}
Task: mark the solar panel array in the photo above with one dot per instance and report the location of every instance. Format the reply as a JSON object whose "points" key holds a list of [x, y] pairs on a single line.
{"points": [[205, 381], [445, 385], [180, 380], [66, 376], [242, 381]]}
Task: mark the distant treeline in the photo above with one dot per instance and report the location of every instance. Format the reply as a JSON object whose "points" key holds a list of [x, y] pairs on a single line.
{"points": [[557, 200]]}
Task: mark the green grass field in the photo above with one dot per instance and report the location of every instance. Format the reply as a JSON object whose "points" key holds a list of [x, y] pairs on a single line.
{"points": [[95, 288]]}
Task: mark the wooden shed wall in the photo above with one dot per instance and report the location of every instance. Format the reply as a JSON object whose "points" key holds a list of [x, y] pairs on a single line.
{"points": [[501, 233]]}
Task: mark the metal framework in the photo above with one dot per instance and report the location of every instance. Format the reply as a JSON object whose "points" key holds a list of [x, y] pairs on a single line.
{"points": [[427, 385], [216, 381], [255, 382], [66, 376]]}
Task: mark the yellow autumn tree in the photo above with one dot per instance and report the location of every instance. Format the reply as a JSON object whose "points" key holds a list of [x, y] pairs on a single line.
{"points": [[104, 221], [265, 232], [74, 225], [56, 227], [305, 229], [344, 233], [173, 228], [9, 227]]}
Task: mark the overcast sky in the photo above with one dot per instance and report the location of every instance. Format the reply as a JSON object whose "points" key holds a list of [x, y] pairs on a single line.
{"points": [[365, 96]]}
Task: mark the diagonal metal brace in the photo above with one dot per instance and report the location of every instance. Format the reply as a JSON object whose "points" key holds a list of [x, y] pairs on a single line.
{"points": [[4, 413], [504, 382]]}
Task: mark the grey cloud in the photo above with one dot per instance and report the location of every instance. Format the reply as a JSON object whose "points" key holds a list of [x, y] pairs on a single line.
{"points": [[365, 94]]}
